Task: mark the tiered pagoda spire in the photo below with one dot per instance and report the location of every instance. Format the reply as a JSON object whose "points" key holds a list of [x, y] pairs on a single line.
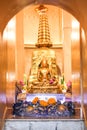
{"points": [[43, 31]]}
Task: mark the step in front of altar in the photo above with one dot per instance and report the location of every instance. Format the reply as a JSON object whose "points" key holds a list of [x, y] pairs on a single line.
{"points": [[44, 124]]}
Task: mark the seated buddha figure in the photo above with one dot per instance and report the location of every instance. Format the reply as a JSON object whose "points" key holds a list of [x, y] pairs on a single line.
{"points": [[44, 73]]}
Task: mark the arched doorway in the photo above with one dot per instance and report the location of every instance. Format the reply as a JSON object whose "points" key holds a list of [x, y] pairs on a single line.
{"points": [[67, 8]]}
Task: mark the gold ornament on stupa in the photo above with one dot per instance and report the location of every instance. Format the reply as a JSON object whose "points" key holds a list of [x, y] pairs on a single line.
{"points": [[43, 32]]}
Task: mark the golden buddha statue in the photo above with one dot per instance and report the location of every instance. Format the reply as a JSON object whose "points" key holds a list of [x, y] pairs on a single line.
{"points": [[44, 73]]}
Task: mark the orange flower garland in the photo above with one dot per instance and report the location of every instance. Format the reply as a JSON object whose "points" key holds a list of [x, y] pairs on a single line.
{"points": [[35, 100], [51, 101], [43, 103]]}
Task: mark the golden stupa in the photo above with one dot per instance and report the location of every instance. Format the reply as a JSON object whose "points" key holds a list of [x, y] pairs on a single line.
{"points": [[44, 73]]}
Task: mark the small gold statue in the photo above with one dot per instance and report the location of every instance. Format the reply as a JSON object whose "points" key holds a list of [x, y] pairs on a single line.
{"points": [[44, 73]]}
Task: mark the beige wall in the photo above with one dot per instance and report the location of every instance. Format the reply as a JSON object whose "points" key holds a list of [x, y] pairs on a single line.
{"points": [[19, 50], [67, 30]]}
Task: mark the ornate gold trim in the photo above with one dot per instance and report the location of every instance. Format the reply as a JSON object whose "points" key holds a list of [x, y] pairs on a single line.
{"points": [[31, 46]]}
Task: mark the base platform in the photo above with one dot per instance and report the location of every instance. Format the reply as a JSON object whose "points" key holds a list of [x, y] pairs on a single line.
{"points": [[21, 123]]}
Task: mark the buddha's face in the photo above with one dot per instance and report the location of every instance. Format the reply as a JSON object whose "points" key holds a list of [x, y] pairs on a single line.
{"points": [[44, 63]]}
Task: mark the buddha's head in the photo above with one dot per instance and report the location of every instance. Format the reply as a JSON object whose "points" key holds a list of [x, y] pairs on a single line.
{"points": [[44, 63]]}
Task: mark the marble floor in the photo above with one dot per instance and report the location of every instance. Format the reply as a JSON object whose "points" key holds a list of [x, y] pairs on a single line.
{"points": [[43, 124]]}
